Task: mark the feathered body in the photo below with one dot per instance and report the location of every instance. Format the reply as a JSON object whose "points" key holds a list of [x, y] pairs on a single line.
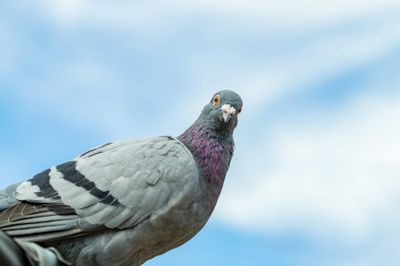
{"points": [[127, 201]]}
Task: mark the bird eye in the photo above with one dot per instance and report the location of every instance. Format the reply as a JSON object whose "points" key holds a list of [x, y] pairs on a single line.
{"points": [[239, 111], [216, 100]]}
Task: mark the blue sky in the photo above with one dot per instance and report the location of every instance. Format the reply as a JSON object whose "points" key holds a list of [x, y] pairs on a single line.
{"points": [[315, 178]]}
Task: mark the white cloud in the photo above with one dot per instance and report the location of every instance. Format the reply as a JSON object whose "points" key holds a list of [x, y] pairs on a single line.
{"points": [[121, 15], [335, 176], [324, 56], [287, 12], [65, 10]]}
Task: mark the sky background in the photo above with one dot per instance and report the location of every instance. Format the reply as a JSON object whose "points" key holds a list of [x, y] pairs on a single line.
{"points": [[315, 179]]}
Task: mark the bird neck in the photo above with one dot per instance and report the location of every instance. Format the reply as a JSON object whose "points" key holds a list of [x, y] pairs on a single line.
{"points": [[212, 152]]}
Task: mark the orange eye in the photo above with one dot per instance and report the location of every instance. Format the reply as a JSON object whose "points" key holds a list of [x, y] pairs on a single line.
{"points": [[216, 100]]}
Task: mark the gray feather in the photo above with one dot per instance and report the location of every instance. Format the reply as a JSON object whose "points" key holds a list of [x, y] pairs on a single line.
{"points": [[127, 201], [141, 189]]}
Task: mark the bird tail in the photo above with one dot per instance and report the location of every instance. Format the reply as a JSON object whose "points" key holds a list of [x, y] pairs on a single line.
{"points": [[10, 252], [21, 253]]}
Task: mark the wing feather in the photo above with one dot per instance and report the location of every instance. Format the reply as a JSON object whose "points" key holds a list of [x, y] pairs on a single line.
{"points": [[117, 185]]}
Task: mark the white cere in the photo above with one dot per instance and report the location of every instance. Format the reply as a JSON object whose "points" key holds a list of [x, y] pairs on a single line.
{"points": [[228, 109]]}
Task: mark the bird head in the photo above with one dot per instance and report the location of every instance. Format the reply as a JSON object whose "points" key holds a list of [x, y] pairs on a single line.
{"points": [[222, 111]]}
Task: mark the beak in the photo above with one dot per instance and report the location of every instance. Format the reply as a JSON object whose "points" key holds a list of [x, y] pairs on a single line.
{"points": [[227, 117], [227, 112]]}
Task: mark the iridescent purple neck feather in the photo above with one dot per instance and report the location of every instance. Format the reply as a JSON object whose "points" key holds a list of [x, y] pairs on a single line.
{"points": [[213, 153]]}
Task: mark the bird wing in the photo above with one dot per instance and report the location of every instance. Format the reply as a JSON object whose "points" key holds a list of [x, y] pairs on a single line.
{"points": [[117, 185]]}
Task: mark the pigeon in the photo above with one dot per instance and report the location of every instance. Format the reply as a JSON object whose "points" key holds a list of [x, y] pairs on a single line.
{"points": [[127, 201]]}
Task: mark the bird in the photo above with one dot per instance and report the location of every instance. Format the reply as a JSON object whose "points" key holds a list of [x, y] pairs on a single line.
{"points": [[127, 201]]}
